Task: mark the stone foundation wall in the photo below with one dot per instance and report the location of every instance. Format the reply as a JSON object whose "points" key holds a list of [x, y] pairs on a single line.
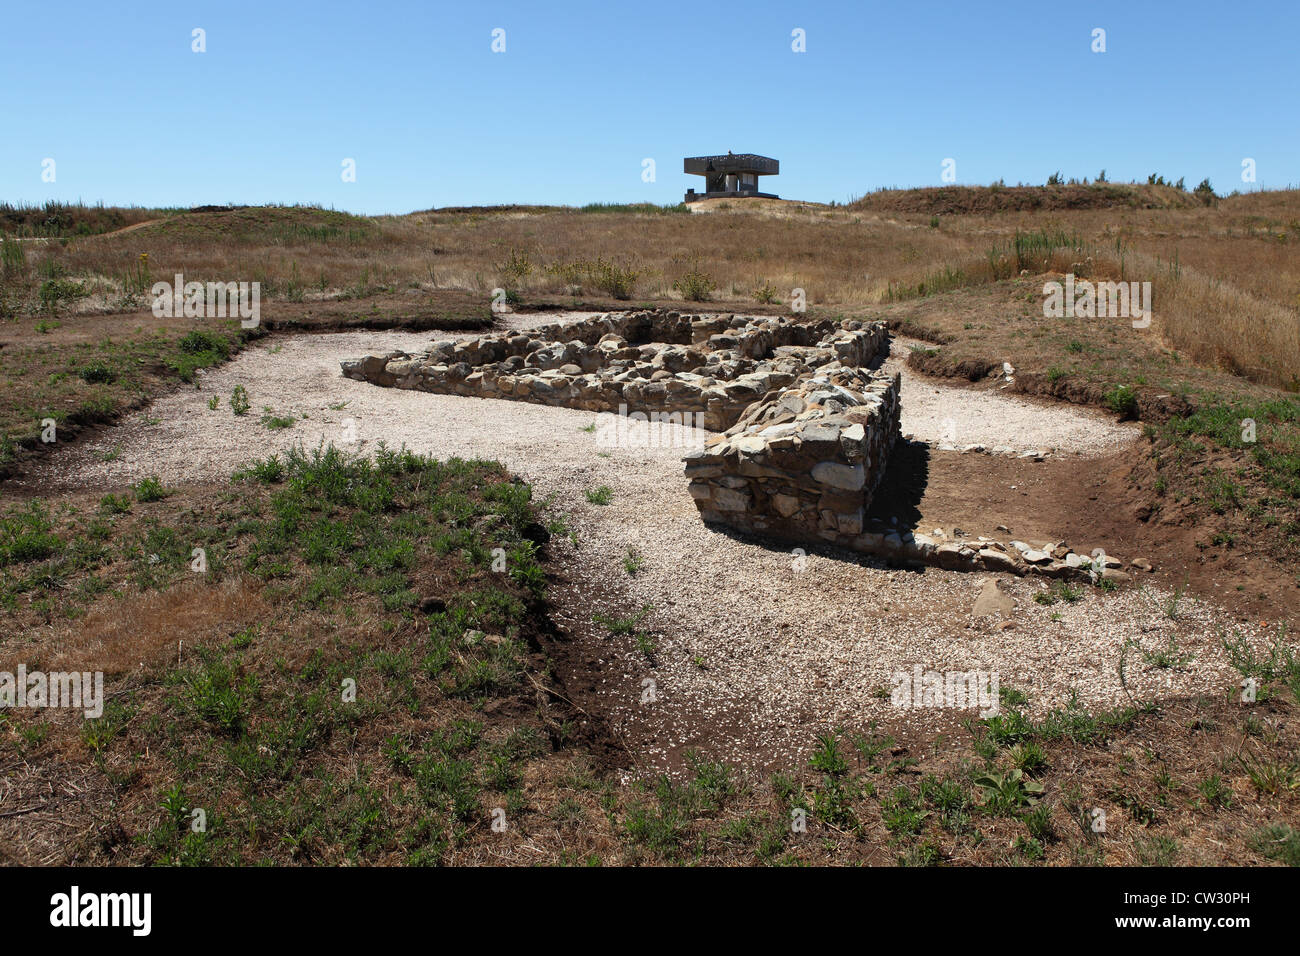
{"points": [[962, 553], [807, 427], [802, 465], [712, 366]]}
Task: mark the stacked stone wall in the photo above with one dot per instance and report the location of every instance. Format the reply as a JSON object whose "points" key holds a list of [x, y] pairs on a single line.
{"points": [[711, 366]]}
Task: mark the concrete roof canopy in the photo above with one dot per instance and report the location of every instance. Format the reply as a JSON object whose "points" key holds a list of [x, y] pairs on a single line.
{"points": [[731, 163]]}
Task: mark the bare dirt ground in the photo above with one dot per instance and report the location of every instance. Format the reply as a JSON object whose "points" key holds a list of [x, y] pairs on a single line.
{"points": [[755, 648]]}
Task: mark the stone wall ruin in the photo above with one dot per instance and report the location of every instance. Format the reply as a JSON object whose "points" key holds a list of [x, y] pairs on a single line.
{"points": [[717, 366], [805, 424]]}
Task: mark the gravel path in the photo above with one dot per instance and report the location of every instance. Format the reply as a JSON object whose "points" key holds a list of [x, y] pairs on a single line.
{"points": [[758, 647]]}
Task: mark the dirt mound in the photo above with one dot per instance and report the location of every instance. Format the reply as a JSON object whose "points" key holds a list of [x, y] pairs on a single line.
{"points": [[500, 209], [964, 200], [1147, 404], [278, 225]]}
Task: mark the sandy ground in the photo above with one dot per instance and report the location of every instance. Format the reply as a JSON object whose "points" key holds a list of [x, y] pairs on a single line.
{"points": [[758, 647]]}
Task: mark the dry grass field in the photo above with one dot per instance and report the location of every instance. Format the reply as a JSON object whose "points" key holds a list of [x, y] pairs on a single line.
{"points": [[325, 568], [1225, 272]]}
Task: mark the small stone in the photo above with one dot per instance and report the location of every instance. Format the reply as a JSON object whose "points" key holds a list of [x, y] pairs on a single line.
{"points": [[996, 561], [870, 542], [849, 523], [951, 556], [785, 505], [848, 477], [726, 499], [993, 600]]}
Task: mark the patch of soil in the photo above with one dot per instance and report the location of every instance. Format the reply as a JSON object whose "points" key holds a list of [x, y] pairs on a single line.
{"points": [[29, 453], [1087, 503], [914, 330], [936, 364]]}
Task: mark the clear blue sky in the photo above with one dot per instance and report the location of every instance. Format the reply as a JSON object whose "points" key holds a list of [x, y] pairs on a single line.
{"points": [[585, 91]]}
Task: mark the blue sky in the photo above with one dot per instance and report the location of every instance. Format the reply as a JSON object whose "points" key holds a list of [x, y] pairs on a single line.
{"points": [[586, 90]]}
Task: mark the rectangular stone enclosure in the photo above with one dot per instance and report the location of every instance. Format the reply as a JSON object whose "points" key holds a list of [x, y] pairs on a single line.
{"points": [[804, 421], [806, 426]]}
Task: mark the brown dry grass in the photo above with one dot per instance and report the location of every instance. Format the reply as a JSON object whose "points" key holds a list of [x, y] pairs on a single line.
{"points": [[143, 629], [964, 200], [1227, 277]]}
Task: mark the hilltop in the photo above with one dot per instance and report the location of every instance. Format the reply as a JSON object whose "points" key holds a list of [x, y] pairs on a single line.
{"points": [[964, 200]]}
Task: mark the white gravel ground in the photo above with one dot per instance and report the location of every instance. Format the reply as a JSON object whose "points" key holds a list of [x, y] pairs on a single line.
{"points": [[757, 648]]}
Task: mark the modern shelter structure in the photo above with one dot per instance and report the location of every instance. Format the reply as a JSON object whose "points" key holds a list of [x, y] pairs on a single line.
{"points": [[732, 175]]}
